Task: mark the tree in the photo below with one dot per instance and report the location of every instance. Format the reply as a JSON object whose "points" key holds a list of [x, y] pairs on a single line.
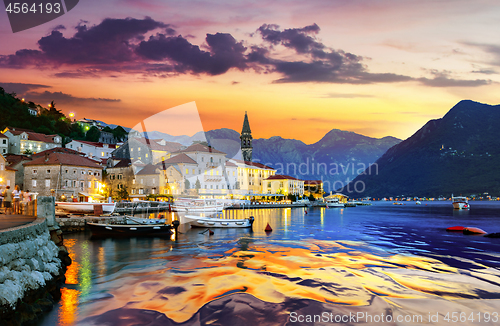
{"points": [[93, 134], [122, 193], [28, 151], [311, 197], [197, 185], [187, 184], [119, 133]]}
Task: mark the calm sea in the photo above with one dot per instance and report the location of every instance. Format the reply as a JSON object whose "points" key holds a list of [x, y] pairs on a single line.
{"points": [[370, 265]]}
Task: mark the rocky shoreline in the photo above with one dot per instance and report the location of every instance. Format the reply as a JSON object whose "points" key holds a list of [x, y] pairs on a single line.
{"points": [[33, 261]]}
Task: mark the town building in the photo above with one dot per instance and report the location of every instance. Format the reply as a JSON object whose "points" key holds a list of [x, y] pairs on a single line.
{"points": [[4, 144], [64, 176], [27, 141], [246, 140], [314, 188], [120, 175], [104, 137], [148, 151], [7, 174], [93, 150], [16, 161], [284, 184], [250, 177]]}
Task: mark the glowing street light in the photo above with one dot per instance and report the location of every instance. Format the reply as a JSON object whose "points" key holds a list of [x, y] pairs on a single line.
{"points": [[71, 115]]}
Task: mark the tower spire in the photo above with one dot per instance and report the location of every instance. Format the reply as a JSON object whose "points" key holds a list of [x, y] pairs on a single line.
{"points": [[246, 140]]}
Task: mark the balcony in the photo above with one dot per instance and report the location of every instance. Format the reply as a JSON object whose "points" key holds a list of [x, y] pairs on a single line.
{"points": [[212, 178]]}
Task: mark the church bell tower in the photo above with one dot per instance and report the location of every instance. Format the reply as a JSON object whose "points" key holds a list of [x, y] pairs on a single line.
{"points": [[246, 140]]}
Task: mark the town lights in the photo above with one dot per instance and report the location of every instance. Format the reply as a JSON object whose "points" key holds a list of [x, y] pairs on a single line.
{"points": [[71, 115]]}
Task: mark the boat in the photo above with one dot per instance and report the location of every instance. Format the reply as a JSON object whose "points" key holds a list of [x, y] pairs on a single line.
{"points": [[130, 230], [189, 205], [84, 207], [210, 222], [334, 202], [418, 202], [460, 202]]}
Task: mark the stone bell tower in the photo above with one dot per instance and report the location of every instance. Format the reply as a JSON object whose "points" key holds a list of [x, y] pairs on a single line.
{"points": [[246, 140]]}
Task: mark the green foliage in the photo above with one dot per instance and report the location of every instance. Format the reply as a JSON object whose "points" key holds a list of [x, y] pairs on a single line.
{"points": [[93, 134], [311, 197], [119, 133], [122, 193], [292, 197], [187, 184], [28, 151], [197, 184]]}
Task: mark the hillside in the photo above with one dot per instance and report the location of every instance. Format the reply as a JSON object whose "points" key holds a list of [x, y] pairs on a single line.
{"points": [[457, 154]]}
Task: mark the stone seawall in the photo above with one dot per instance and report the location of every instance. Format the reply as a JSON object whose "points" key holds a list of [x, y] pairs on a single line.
{"points": [[30, 269], [77, 224]]}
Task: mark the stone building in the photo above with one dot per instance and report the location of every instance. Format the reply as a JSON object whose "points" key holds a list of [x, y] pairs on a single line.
{"points": [[16, 161], [7, 174], [4, 144], [22, 140], [148, 151], [65, 176], [119, 176], [93, 150]]}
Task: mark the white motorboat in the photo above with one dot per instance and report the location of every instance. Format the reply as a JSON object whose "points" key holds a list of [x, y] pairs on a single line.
{"points": [[334, 202], [460, 202], [210, 222], [84, 207], [188, 205]]}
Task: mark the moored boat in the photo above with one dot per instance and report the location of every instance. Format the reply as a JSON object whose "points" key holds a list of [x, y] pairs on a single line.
{"points": [[334, 202], [209, 222], [460, 202], [85, 207], [129, 230], [198, 205]]}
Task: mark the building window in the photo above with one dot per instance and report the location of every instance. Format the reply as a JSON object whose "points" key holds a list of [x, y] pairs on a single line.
{"points": [[96, 184], [81, 184], [153, 191], [141, 191], [142, 181], [202, 158], [187, 171], [147, 155], [48, 171], [67, 171], [90, 172], [35, 171], [47, 183], [90, 184], [33, 183], [83, 172], [133, 181], [111, 176], [102, 154], [74, 183], [133, 191], [120, 176], [66, 183], [193, 171]]}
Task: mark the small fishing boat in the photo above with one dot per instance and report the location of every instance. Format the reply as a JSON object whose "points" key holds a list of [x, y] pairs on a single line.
{"points": [[210, 222], [460, 202], [129, 230], [84, 207]]}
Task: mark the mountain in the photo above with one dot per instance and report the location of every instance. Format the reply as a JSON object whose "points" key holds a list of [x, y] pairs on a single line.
{"points": [[338, 157], [457, 154]]}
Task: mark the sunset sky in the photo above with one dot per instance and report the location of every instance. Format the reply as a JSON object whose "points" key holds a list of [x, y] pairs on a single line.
{"points": [[299, 68]]}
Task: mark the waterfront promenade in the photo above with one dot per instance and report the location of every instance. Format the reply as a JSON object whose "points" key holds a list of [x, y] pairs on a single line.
{"points": [[12, 221]]}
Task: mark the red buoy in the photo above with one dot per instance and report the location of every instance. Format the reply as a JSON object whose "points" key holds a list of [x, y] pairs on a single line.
{"points": [[268, 228], [210, 232], [305, 211], [455, 229]]}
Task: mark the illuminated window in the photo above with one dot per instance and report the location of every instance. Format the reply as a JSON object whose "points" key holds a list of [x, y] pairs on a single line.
{"points": [[187, 171]]}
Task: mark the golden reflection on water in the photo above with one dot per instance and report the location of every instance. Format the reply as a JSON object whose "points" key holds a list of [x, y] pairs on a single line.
{"points": [[69, 305], [326, 271], [72, 271]]}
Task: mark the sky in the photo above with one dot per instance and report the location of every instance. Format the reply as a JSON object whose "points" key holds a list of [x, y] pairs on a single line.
{"points": [[299, 68]]}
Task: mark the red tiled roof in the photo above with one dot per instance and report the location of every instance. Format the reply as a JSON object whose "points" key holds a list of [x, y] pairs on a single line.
{"points": [[95, 144], [200, 148], [9, 168], [123, 163], [64, 159], [281, 177], [312, 182], [262, 166], [57, 150], [3, 136], [148, 170], [155, 146], [16, 158], [180, 158], [230, 163]]}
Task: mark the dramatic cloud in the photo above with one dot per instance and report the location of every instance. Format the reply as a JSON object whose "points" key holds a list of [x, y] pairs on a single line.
{"points": [[491, 49], [60, 97], [148, 47], [225, 53], [20, 88]]}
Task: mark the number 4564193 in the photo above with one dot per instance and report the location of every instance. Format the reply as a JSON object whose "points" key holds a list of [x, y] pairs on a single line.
{"points": [[24, 8]]}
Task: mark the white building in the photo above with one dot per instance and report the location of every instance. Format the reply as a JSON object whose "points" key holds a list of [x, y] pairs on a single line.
{"points": [[22, 140], [4, 144], [92, 150]]}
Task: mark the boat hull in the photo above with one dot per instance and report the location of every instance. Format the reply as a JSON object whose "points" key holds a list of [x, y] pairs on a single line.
{"points": [[129, 230], [85, 208], [461, 205], [335, 205], [203, 222]]}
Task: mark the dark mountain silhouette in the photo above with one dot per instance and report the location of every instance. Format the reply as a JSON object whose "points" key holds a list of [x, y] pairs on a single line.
{"points": [[338, 157], [457, 154]]}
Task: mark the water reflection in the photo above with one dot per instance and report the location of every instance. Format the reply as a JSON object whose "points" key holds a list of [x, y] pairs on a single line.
{"points": [[379, 259]]}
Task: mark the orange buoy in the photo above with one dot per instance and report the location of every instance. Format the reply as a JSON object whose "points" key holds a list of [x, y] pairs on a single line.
{"points": [[455, 229], [268, 228], [473, 231]]}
